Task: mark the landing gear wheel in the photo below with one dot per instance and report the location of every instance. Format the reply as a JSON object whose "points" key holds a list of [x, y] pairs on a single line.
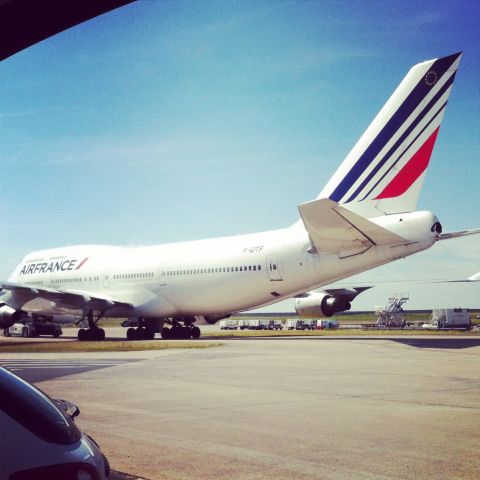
{"points": [[100, 334], [25, 332], [131, 334], [91, 334], [195, 333], [6, 332], [176, 332], [149, 333], [165, 333]]}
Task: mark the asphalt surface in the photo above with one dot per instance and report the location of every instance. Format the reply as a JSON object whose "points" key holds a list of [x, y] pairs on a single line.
{"points": [[40, 370], [291, 408]]}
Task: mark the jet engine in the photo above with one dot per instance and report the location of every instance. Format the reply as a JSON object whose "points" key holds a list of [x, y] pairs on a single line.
{"points": [[8, 316], [211, 319], [326, 303], [321, 305]]}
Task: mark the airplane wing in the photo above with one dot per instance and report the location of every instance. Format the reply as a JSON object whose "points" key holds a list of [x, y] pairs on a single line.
{"points": [[338, 288], [472, 279], [334, 229], [326, 302], [16, 295], [461, 233], [336, 298], [348, 293]]}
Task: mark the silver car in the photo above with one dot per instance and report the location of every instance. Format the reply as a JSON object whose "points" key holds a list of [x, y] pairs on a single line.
{"points": [[39, 439]]}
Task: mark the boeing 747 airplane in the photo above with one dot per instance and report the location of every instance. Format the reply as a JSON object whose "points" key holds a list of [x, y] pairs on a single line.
{"points": [[364, 217]]}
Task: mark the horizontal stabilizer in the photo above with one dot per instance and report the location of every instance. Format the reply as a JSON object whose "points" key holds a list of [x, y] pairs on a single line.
{"points": [[461, 233], [334, 229]]}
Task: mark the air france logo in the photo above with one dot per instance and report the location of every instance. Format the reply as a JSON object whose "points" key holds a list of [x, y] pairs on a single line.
{"points": [[62, 266]]}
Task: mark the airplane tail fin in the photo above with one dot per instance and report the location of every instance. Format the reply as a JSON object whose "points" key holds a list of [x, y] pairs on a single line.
{"points": [[384, 172]]}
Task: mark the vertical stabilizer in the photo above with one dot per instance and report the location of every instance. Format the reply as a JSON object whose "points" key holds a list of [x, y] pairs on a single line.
{"points": [[384, 172]]}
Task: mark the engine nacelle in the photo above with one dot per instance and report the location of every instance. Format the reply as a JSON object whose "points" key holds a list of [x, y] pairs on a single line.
{"points": [[8, 316], [211, 319], [321, 305]]}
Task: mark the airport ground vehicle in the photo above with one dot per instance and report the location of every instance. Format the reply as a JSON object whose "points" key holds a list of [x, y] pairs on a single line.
{"points": [[275, 325], [228, 324], [33, 329], [43, 441], [301, 324], [253, 324], [291, 323], [449, 318], [327, 323]]}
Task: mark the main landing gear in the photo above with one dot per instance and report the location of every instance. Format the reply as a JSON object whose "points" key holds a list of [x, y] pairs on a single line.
{"points": [[144, 331], [179, 331], [181, 328], [93, 332]]}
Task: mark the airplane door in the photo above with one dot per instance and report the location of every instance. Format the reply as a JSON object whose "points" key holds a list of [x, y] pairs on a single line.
{"points": [[273, 268], [106, 277], [162, 274]]}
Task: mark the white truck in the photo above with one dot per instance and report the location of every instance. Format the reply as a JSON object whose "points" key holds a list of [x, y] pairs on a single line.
{"points": [[228, 324], [303, 324], [275, 325], [451, 318], [258, 324], [254, 324], [327, 324]]}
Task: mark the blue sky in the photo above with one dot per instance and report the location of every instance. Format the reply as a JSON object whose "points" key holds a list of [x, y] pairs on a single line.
{"points": [[170, 121]]}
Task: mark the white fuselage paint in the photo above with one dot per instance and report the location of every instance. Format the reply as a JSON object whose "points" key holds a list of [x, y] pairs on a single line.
{"points": [[210, 277]]}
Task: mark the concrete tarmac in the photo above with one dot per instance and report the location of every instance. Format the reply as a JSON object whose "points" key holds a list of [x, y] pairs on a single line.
{"points": [[291, 408]]}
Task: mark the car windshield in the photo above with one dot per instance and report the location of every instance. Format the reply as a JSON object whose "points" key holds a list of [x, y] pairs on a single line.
{"points": [[33, 409]]}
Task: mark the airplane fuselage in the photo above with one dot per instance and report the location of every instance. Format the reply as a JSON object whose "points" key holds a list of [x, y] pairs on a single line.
{"points": [[209, 277]]}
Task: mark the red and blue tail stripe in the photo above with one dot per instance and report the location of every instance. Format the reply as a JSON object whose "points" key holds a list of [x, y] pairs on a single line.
{"points": [[407, 135], [401, 140]]}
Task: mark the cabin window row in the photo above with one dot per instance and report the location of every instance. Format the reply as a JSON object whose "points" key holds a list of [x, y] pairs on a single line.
{"points": [[75, 279], [201, 271], [124, 276]]}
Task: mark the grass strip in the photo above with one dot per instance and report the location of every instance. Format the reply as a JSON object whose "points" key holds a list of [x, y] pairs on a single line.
{"points": [[105, 346]]}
